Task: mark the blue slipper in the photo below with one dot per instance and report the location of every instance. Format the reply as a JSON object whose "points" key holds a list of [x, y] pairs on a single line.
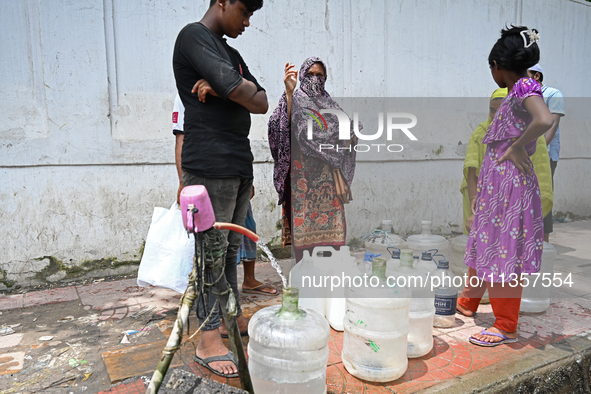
{"points": [[505, 339]]}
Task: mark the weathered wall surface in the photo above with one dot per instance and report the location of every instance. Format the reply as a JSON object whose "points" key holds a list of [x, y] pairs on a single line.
{"points": [[86, 149]]}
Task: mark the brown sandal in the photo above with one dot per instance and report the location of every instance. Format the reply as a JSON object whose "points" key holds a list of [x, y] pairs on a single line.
{"points": [[258, 290]]}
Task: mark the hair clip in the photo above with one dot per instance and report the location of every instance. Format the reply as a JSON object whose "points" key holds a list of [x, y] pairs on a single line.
{"points": [[533, 36]]}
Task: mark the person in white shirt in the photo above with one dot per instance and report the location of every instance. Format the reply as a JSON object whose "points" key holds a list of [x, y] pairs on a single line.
{"points": [[554, 99]]}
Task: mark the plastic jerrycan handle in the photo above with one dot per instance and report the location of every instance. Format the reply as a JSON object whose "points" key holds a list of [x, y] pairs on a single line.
{"points": [[316, 258], [322, 249]]}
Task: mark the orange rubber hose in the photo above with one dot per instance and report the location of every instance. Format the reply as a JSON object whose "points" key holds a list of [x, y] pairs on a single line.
{"points": [[237, 228]]}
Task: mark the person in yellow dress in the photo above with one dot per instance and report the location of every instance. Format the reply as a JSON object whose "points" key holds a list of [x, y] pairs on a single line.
{"points": [[475, 156]]}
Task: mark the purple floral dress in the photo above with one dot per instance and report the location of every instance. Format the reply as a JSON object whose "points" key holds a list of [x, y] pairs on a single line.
{"points": [[507, 235]]}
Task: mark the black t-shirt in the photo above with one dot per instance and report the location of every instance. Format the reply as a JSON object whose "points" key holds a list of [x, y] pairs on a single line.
{"points": [[216, 141]]}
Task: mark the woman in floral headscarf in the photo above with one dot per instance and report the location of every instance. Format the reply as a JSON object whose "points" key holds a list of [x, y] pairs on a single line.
{"points": [[312, 183]]}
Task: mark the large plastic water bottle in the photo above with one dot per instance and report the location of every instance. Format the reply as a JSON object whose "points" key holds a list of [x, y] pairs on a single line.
{"points": [[422, 308], [288, 348], [426, 241], [394, 262], [446, 296], [309, 279], [376, 328], [345, 269], [386, 225], [536, 299], [380, 240]]}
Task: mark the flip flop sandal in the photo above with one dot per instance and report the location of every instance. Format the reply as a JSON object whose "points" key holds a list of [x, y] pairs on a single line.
{"points": [[462, 313], [258, 290], [204, 362], [242, 334], [505, 339]]}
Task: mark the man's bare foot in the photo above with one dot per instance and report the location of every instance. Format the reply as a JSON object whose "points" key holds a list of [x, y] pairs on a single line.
{"points": [[492, 338], [211, 345], [242, 325], [464, 311], [250, 283]]}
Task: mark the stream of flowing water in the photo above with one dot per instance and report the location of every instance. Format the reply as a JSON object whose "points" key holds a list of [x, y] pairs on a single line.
{"points": [[274, 262]]}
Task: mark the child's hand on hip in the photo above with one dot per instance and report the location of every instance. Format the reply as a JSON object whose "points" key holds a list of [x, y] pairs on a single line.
{"points": [[519, 157], [470, 221]]}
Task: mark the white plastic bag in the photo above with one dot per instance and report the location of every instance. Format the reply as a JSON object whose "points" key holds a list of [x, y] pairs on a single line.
{"points": [[168, 254]]}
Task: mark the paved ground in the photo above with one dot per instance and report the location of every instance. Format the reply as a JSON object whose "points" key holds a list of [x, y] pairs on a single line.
{"points": [[85, 326]]}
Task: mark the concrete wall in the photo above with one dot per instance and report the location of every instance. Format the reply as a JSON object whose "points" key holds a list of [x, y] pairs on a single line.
{"points": [[86, 149]]}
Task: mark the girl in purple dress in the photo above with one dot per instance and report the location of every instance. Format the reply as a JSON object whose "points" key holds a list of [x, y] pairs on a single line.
{"points": [[507, 236]]}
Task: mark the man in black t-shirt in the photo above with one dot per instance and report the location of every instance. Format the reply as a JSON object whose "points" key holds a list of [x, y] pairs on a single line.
{"points": [[216, 151]]}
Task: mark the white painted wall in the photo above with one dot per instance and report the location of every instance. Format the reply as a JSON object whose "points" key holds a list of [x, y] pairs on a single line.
{"points": [[86, 92]]}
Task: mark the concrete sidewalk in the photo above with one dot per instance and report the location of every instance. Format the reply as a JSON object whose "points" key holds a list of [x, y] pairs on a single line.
{"points": [[68, 340]]}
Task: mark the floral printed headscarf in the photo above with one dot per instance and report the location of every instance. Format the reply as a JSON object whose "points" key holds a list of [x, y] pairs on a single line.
{"points": [[311, 95]]}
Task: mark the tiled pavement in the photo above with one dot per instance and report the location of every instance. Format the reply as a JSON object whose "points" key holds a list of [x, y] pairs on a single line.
{"points": [[452, 356], [114, 299]]}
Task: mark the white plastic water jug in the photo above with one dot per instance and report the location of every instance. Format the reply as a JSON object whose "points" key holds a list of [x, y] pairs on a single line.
{"points": [[288, 348], [422, 308], [536, 299], [426, 262], [426, 241], [394, 261], [325, 257], [345, 269], [309, 279], [376, 328]]}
